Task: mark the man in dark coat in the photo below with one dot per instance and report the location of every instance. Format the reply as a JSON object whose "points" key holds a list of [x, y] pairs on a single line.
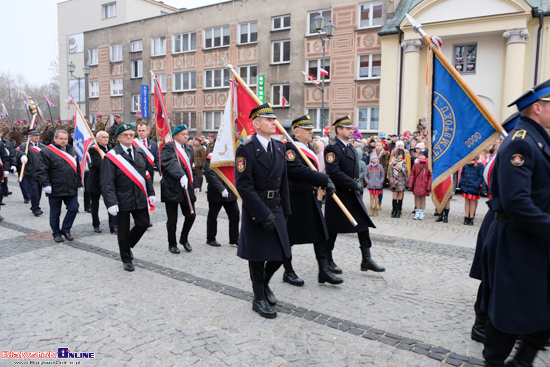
{"points": [[219, 194], [149, 147], [127, 189], [342, 166], [306, 224], [200, 157], [112, 131], [516, 256], [60, 178], [178, 176], [94, 184], [10, 163], [32, 162], [261, 180]]}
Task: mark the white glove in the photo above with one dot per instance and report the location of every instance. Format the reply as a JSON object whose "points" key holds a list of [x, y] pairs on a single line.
{"points": [[152, 200], [80, 189], [113, 210], [13, 169], [15, 174], [24, 159], [197, 192], [183, 181], [47, 190], [6, 173], [225, 193]]}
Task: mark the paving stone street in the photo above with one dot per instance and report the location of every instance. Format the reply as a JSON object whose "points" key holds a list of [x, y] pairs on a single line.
{"points": [[194, 309]]}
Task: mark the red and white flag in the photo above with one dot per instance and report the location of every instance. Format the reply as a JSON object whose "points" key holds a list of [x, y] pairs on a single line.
{"points": [[323, 72], [284, 102], [163, 129], [312, 79]]}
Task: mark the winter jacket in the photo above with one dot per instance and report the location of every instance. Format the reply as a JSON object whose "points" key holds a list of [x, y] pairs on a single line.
{"points": [[374, 177], [362, 165], [172, 171], [471, 178], [421, 180], [402, 178], [216, 186], [59, 174]]}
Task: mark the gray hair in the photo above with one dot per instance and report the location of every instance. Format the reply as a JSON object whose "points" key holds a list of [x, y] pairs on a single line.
{"points": [[60, 131], [98, 134]]}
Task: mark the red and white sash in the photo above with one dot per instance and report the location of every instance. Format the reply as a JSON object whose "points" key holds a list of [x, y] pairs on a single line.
{"points": [[64, 155], [129, 171], [308, 152], [36, 149], [185, 159], [139, 143]]}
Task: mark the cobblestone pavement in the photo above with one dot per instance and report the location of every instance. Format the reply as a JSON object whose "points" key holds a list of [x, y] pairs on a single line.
{"points": [[194, 308]]}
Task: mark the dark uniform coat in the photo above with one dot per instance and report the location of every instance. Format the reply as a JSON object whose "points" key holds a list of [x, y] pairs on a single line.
{"points": [[306, 224], [342, 166], [216, 186], [59, 174], [34, 160], [254, 171], [119, 189], [516, 256], [93, 183], [172, 171]]}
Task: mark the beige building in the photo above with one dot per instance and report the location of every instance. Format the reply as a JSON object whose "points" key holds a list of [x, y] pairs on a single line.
{"points": [[501, 48], [276, 39], [76, 16]]}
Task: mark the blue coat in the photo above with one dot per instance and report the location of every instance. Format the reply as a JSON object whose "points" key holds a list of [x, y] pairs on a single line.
{"points": [[254, 171], [516, 253], [471, 178]]}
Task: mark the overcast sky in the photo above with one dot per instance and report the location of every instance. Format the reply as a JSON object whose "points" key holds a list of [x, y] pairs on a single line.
{"points": [[28, 40]]}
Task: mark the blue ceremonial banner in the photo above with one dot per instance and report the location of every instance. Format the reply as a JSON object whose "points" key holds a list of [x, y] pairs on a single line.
{"points": [[145, 101]]}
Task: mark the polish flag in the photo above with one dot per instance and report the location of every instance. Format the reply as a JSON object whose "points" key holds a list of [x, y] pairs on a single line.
{"points": [[284, 102], [312, 79], [323, 72]]}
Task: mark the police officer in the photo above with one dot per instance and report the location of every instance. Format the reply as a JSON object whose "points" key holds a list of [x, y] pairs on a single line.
{"points": [[341, 164], [178, 176], [261, 180], [515, 255], [32, 162], [306, 224], [127, 189]]}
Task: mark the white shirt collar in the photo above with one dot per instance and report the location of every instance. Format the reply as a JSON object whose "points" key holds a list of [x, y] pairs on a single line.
{"points": [[345, 142], [263, 141]]}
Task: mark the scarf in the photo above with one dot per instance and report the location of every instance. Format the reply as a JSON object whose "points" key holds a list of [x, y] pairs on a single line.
{"points": [[396, 166]]}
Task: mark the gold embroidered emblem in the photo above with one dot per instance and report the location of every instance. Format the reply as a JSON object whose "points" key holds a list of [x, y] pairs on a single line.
{"points": [[290, 156], [241, 164], [330, 157], [517, 160]]}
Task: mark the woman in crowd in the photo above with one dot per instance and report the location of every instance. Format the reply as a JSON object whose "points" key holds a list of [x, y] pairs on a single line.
{"points": [[384, 160], [374, 179], [421, 184], [398, 179]]}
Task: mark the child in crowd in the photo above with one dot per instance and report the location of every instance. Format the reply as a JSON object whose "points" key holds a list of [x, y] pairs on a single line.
{"points": [[421, 184], [471, 178], [399, 179], [374, 180]]}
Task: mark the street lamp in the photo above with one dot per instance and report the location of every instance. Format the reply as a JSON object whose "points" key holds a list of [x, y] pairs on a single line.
{"points": [[328, 28], [86, 70]]}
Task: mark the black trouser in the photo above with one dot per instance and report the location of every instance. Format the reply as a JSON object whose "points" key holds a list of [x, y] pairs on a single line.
{"points": [[5, 183], [232, 210], [320, 250], [71, 202], [258, 268], [499, 344], [477, 304], [364, 240], [172, 222], [35, 192], [87, 197], [127, 238], [94, 207], [24, 186]]}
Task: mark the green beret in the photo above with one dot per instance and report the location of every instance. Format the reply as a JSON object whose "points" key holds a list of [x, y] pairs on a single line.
{"points": [[123, 128], [178, 128]]}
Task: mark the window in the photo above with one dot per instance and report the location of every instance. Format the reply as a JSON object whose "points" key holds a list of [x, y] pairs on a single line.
{"points": [[109, 10], [185, 81], [282, 22], [465, 58], [92, 56], [370, 66], [137, 46], [162, 82], [313, 69], [327, 14], [249, 74], [158, 46], [136, 102], [216, 37], [115, 53], [370, 15], [187, 118], [368, 118], [248, 33], [212, 120], [316, 118], [276, 97], [280, 52], [137, 69], [116, 87], [216, 78], [93, 89], [184, 42]]}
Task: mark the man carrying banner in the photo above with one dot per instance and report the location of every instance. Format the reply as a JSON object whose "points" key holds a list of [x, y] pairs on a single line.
{"points": [[127, 190], [261, 180], [33, 160], [149, 147], [516, 264], [178, 176], [342, 166], [306, 224], [60, 178]]}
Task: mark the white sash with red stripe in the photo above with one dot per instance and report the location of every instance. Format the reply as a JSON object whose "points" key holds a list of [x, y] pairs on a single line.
{"points": [[129, 171], [185, 159], [139, 143], [64, 155], [489, 170], [308, 152]]}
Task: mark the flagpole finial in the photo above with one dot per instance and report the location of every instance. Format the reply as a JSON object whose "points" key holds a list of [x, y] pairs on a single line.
{"points": [[417, 27]]}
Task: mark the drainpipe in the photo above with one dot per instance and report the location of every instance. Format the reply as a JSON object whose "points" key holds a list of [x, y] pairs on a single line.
{"points": [[541, 14], [400, 86]]}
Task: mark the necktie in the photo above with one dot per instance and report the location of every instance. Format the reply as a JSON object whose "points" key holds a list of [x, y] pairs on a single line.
{"points": [[130, 153], [269, 152]]}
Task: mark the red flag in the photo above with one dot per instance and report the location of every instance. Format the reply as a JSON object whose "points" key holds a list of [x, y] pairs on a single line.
{"points": [[312, 79], [163, 130], [323, 72]]}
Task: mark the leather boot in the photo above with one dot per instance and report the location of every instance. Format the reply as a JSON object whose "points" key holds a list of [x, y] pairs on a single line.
{"points": [[332, 267], [466, 221], [446, 215], [269, 296], [437, 214], [399, 208], [478, 330], [393, 208], [289, 276], [374, 211], [368, 263], [441, 215], [524, 357], [471, 223], [260, 305], [325, 276]]}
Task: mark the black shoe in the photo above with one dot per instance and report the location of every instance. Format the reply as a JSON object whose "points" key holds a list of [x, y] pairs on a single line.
{"points": [[68, 236], [128, 267], [478, 330], [114, 230], [97, 230], [38, 213], [214, 243], [471, 223], [2, 203], [187, 246], [88, 210], [269, 296], [333, 268], [369, 264], [26, 201], [1, 218], [8, 193], [150, 225], [174, 250], [466, 221], [263, 309], [325, 276], [293, 279], [58, 239]]}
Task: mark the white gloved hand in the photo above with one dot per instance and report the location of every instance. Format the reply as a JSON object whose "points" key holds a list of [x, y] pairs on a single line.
{"points": [[225, 193], [47, 190], [80, 189], [197, 192], [6, 173], [152, 200], [24, 159], [183, 181], [15, 174], [113, 210], [13, 169]]}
